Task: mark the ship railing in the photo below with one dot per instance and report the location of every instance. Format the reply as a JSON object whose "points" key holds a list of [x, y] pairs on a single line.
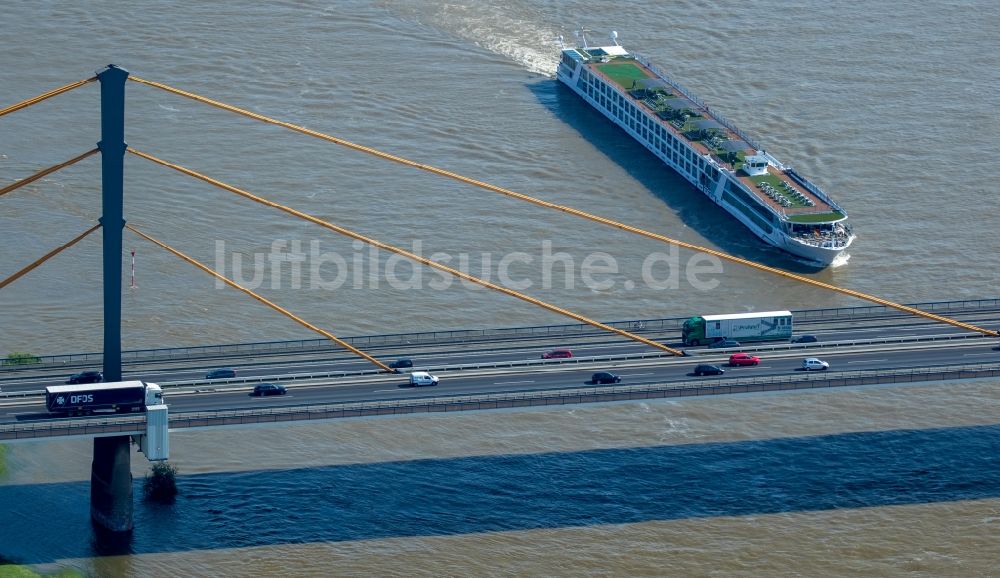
{"points": [[834, 241], [808, 241], [813, 189], [697, 100], [770, 158], [720, 164]]}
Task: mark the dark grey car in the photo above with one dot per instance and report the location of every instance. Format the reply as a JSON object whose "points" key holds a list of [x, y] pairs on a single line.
{"points": [[605, 377], [708, 370], [220, 373], [86, 377], [269, 389]]}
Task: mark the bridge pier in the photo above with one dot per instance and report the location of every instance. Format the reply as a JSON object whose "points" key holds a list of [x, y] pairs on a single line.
{"points": [[111, 484]]}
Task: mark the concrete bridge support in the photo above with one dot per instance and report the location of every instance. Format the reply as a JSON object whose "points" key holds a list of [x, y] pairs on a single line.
{"points": [[111, 484]]}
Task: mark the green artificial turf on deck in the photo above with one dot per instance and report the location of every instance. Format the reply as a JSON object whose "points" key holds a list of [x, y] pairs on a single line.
{"points": [[623, 73]]}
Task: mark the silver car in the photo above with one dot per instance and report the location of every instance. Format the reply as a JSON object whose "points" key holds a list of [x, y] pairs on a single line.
{"points": [[814, 363]]}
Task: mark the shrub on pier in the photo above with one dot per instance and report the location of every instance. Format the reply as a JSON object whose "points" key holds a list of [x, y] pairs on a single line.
{"points": [[161, 484]]}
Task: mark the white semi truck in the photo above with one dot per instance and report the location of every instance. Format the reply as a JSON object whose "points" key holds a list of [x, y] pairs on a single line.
{"points": [[764, 326], [114, 397]]}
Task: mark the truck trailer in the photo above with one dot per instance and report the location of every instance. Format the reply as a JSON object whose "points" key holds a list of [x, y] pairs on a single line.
{"points": [[764, 326], [114, 397]]}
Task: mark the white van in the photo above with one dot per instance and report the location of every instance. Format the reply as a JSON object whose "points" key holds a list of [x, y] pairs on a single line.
{"points": [[418, 378]]}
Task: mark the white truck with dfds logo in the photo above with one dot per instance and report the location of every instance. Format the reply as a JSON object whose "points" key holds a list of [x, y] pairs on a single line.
{"points": [[116, 397]]}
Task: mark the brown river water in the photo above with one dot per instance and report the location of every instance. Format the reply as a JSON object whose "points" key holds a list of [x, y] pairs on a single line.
{"points": [[890, 108]]}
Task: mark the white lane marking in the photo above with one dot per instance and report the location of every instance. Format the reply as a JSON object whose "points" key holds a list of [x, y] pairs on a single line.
{"points": [[635, 374], [512, 382], [868, 361], [971, 354]]}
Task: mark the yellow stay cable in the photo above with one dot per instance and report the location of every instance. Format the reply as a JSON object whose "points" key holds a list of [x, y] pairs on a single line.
{"points": [[47, 256], [49, 94], [570, 210], [265, 301], [45, 172], [404, 253]]}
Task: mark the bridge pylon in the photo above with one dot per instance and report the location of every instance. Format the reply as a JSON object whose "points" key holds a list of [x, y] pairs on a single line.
{"points": [[110, 474]]}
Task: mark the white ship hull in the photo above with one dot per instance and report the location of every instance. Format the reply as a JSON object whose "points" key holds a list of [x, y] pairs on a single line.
{"points": [[769, 225]]}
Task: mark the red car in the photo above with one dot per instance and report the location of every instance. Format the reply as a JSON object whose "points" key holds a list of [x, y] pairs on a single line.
{"points": [[743, 359], [557, 354]]}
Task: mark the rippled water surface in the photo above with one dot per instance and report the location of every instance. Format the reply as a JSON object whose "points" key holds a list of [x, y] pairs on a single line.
{"points": [[878, 481], [891, 110], [888, 107]]}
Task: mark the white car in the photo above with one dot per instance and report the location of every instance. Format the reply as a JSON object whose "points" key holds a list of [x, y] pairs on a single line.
{"points": [[811, 363], [418, 378]]}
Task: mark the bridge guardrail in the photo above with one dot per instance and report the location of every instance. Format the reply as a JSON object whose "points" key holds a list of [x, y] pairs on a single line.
{"points": [[590, 359], [15, 394], [472, 335], [754, 347], [123, 425], [562, 396]]}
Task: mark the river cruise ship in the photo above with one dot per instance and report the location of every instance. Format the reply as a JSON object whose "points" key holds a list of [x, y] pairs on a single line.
{"points": [[771, 199]]}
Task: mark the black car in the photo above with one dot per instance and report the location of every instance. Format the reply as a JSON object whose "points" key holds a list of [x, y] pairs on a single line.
{"points": [[605, 377], [86, 377], [401, 363], [269, 389], [805, 339], [220, 373], [708, 370]]}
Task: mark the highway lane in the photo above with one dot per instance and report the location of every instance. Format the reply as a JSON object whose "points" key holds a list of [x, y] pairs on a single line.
{"points": [[549, 376], [480, 353]]}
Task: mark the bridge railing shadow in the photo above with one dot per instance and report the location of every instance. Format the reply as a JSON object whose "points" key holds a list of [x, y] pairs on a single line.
{"points": [[44, 523]]}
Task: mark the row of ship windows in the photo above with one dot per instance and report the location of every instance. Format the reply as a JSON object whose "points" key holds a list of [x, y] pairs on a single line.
{"points": [[749, 201], [748, 212], [650, 130]]}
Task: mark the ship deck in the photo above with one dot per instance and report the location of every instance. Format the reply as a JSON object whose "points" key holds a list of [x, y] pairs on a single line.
{"points": [[696, 124]]}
